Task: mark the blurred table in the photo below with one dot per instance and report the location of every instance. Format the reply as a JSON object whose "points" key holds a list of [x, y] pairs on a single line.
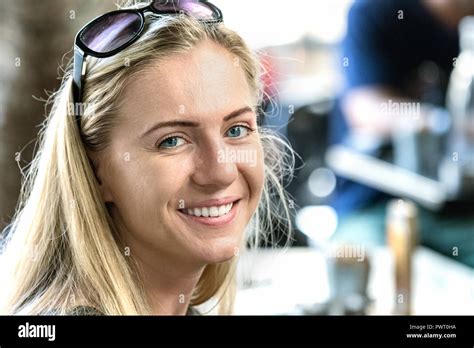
{"points": [[386, 177], [285, 282]]}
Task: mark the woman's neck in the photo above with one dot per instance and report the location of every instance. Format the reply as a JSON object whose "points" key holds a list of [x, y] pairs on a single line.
{"points": [[168, 282], [169, 290]]}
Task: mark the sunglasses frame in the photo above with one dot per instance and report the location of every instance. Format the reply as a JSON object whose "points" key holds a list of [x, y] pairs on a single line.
{"points": [[81, 51]]}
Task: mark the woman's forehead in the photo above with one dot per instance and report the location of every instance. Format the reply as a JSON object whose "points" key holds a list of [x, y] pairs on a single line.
{"points": [[205, 80]]}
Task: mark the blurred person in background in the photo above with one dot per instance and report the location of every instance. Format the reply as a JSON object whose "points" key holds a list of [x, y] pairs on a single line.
{"points": [[394, 52], [402, 51]]}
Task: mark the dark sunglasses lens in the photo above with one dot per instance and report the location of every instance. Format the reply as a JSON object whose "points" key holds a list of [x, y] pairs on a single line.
{"points": [[111, 31], [192, 7]]}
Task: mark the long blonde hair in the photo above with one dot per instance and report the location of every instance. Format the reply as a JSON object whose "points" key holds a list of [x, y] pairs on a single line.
{"points": [[62, 248]]}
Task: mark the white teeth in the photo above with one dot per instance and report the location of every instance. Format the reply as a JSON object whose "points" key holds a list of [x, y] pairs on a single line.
{"points": [[209, 211], [222, 210], [214, 211]]}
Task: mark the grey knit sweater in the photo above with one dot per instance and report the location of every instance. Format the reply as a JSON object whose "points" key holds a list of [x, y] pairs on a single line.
{"points": [[85, 310]]}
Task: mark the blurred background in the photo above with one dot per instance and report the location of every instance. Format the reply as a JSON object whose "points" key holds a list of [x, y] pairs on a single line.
{"points": [[377, 97]]}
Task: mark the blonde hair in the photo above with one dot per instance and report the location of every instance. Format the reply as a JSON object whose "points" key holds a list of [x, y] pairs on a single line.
{"points": [[63, 249]]}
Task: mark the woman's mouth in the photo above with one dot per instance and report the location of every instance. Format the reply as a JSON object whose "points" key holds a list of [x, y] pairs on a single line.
{"points": [[213, 215]]}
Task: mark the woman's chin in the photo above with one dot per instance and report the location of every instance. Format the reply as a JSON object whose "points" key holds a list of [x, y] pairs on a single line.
{"points": [[220, 255]]}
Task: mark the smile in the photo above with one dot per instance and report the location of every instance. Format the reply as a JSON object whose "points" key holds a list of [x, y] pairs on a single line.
{"points": [[209, 211], [218, 215]]}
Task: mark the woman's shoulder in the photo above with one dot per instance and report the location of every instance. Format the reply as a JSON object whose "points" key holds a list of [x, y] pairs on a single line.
{"points": [[87, 310], [84, 310], [192, 311]]}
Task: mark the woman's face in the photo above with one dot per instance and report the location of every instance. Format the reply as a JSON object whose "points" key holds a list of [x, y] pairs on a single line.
{"points": [[184, 170]]}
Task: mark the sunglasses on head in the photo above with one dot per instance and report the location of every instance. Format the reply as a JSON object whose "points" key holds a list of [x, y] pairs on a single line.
{"points": [[114, 31]]}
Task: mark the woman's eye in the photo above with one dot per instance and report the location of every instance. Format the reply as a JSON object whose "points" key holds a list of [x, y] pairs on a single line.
{"points": [[238, 131], [172, 142]]}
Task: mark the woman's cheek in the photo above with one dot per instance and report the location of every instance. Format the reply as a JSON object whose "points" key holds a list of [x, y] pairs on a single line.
{"points": [[261, 169], [254, 173]]}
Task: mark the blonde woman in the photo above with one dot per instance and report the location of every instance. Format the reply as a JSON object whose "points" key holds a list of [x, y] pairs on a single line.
{"points": [[152, 174]]}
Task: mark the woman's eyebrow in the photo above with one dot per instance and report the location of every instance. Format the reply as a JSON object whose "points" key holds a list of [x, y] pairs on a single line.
{"points": [[238, 112], [188, 123]]}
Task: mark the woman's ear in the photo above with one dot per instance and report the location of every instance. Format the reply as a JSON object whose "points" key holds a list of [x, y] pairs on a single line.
{"points": [[101, 181]]}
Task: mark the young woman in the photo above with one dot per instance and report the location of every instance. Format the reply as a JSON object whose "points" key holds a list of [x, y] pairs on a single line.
{"points": [[152, 174]]}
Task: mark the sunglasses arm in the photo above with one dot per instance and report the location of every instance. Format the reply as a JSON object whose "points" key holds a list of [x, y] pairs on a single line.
{"points": [[78, 73]]}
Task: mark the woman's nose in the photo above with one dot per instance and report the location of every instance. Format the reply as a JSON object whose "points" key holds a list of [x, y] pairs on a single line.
{"points": [[212, 166]]}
